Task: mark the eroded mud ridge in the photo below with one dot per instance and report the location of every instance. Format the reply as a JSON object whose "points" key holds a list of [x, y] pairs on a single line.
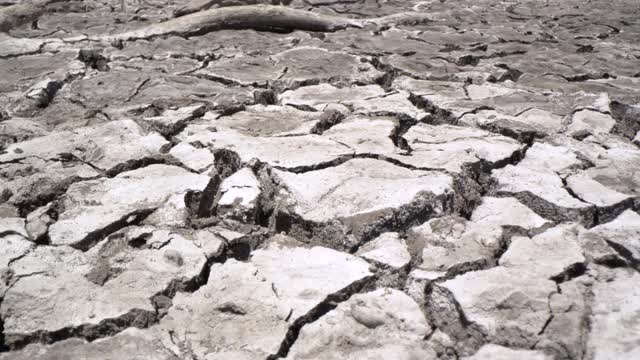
{"points": [[320, 179]]}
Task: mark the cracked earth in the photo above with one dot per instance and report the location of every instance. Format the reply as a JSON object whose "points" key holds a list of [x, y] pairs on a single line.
{"points": [[320, 179]]}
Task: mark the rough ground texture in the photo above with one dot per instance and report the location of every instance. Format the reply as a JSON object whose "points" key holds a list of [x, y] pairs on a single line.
{"points": [[320, 179]]}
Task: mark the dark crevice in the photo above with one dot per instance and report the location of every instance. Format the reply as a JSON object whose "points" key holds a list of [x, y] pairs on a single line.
{"points": [[328, 304], [134, 318], [475, 181], [48, 192], [438, 114], [171, 130], [601, 214], [9, 232], [626, 254], [26, 53], [399, 130], [553, 212], [135, 164], [266, 206], [386, 276], [318, 166], [445, 313], [92, 238], [230, 82], [239, 250], [328, 119], [209, 197], [94, 59], [544, 327], [572, 272], [137, 90], [389, 73], [69, 157], [523, 133], [37, 98], [510, 74], [587, 77]]}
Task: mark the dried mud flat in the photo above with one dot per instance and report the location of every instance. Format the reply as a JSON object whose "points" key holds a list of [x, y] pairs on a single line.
{"points": [[319, 179]]}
